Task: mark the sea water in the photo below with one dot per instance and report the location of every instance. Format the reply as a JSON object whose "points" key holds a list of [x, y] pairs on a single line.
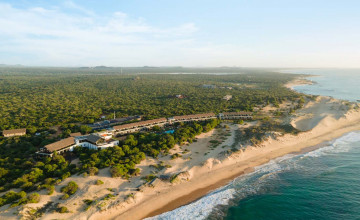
{"points": [[322, 184], [340, 84]]}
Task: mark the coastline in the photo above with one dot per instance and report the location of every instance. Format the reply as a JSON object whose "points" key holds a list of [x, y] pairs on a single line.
{"points": [[201, 167], [242, 162], [299, 82]]}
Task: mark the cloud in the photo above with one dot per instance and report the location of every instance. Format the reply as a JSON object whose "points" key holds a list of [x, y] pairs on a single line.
{"points": [[72, 5], [71, 35], [42, 36]]}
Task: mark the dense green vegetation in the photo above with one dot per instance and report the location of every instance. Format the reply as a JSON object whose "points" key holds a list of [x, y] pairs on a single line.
{"points": [[38, 98], [122, 159], [20, 170], [19, 198]]}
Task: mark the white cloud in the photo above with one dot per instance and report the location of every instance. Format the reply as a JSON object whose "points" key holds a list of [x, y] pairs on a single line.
{"points": [[71, 35], [40, 36], [72, 5]]}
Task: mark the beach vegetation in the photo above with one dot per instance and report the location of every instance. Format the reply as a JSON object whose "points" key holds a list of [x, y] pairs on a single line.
{"points": [[176, 155], [69, 189], [99, 182], [149, 177], [63, 209]]}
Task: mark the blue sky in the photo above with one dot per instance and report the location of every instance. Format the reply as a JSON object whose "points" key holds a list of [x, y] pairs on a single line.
{"points": [[252, 33]]}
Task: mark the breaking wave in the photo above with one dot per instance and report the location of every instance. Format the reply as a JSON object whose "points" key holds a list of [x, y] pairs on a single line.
{"points": [[263, 180], [340, 145], [199, 209]]}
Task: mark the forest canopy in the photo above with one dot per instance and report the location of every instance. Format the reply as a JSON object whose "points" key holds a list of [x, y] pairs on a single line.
{"points": [[38, 98]]}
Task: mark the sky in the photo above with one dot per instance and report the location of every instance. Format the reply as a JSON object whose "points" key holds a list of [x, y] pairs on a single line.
{"points": [[196, 33]]}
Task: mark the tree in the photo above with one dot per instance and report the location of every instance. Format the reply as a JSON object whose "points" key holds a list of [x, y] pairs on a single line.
{"points": [[118, 171], [33, 198], [70, 188], [92, 171], [84, 129]]}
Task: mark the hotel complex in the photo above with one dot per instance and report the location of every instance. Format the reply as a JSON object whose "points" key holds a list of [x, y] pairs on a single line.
{"points": [[104, 140]]}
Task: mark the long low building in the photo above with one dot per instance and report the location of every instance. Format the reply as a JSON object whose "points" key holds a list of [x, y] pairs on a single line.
{"points": [[14, 132], [141, 125], [104, 139], [60, 147], [235, 115], [91, 141], [95, 142], [195, 117]]}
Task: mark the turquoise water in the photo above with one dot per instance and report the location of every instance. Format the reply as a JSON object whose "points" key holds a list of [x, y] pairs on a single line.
{"points": [[322, 184], [340, 84]]}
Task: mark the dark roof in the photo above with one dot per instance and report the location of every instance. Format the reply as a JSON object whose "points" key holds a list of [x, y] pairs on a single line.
{"points": [[205, 115], [14, 131], [93, 138], [140, 123], [60, 144]]}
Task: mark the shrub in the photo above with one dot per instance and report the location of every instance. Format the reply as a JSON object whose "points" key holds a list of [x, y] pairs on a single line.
{"points": [[118, 171], [63, 209], [109, 196], [89, 203], [50, 189], [149, 177], [11, 196], [174, 156], [33, 198], [65, 196], [70, 189], [92, 171], [99, 182]]}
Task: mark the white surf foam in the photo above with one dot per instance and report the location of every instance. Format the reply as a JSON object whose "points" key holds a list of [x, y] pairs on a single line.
{"points": [[200, 209], [253, 183], [340, 145]]}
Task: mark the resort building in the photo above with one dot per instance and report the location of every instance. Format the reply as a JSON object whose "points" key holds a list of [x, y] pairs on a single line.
{"points": [[14, 132], [138, 126], [61, 146], [77, 134], [95, 142], [91, 141], [196, 117], [105, 139], [235, 115]]}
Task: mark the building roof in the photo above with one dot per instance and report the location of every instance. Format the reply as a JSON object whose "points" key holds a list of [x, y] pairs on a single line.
{"points": [[14, 131], [60, 144], [237, 113], [75, 134], [140, 123], [194, 116], [93, 138]]}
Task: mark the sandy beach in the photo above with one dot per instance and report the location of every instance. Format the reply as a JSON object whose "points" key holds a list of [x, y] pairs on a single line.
{"points": [[205, 180], [201, 168], [298, 82]]}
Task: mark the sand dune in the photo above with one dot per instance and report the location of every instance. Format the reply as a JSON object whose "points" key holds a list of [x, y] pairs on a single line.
{"points": [[318, 112]]}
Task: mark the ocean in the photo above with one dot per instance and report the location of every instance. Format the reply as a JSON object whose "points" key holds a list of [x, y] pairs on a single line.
{"points": [[321, 184]]}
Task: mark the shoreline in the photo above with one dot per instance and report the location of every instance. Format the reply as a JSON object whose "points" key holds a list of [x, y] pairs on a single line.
{"points": [[299, 82], [203, 166], [200, 193], [202, 184]]}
